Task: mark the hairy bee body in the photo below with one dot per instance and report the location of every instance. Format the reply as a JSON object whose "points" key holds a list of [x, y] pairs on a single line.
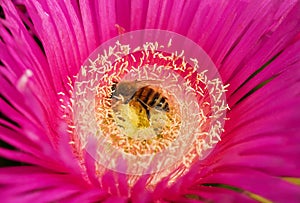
{"points": [[141, 95], [151, 97]]}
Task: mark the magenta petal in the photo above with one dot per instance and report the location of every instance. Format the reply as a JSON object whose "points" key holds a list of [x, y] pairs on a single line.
{"points": [[29, 173], [99, 21], [28, 158], [89, 156], [116, 200], [93, 195], [19, 106], [115, 183], [90, 26], [219, 194], [277, 35], [65, 154], [159, 190], [109, 183], [285, 62], [152, 20], [12, 137], [46, 195], [163, 9], [139, 193], [268, 163], [256, 182], [138, 20], [269, 113], [56, 32], [26, 179], [20, 50]]}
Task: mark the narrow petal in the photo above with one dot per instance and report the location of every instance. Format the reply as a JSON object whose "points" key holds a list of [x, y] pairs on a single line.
{"points": [[256, 182], [60, 39], [99, 19]]}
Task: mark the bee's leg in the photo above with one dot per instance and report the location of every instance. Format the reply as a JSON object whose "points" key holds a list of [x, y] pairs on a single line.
{"points": [[166, 107], [163, 105], [148, 113], [146, 107]]}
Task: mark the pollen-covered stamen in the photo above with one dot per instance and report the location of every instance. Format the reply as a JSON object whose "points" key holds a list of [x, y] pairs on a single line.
{"points": [[155, 108], [66, 106], [139, 116]]}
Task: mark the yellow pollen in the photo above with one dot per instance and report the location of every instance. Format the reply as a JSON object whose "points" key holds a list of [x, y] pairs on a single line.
{"points": [[163, 130]]}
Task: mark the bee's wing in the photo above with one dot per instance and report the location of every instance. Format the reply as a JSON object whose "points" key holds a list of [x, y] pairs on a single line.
{"points": [[142, 83], [124, 90]]}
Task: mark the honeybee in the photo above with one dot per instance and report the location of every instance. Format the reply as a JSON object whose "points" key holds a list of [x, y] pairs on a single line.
{"points": [[141, 94], [151, 97]]}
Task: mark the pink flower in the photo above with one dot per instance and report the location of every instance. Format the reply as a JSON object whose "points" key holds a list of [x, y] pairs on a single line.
{"points": [[255, 45]]}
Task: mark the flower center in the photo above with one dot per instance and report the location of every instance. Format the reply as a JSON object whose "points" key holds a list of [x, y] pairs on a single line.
{"points": [[144, 101], [139, 115]]}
